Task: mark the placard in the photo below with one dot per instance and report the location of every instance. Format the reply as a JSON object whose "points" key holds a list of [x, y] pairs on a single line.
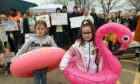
{"points": [[44, 18], [59, 19], [10, 25], [76, 21]]}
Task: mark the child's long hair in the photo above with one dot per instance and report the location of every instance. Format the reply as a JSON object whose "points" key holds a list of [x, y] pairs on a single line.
{"points": [[84, 24], [41, 22]]}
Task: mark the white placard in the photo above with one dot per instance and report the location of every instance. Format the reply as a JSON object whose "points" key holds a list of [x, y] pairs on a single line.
{"points": [[59, 18], [10, 25], [44, 18], [76, 21]]}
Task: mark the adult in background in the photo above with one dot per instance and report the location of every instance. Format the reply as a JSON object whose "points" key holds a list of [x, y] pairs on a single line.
{"points": [[67, 27], [21, 39], [74, 31], [88, 16], [59, 32], [128, 21], [14, 36], [95, 18], [29, 22], [118, 17], [102, 20]]}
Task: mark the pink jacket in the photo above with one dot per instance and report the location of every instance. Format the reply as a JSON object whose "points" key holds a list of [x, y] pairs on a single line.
{"points": [[76, 52]]}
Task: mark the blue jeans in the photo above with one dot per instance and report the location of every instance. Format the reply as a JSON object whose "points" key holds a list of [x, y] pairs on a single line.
{"points": [[7, 67], [40, 75]]}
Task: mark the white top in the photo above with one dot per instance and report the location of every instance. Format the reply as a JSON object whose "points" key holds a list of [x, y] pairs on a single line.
{"points": [[89, 52]]}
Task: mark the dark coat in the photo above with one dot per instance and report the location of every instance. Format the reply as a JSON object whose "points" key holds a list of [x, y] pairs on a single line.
{"points": [[26, 28], [1, 47]]}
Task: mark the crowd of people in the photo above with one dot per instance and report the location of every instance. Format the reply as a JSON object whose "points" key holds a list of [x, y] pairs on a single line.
{"points": [[64, 36]]}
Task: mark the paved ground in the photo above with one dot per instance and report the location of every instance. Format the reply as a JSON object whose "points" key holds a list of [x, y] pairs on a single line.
{"points": [[129, 75]]}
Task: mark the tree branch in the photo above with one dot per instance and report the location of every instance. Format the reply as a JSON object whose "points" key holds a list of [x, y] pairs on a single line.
{"points": [[113, 5]]}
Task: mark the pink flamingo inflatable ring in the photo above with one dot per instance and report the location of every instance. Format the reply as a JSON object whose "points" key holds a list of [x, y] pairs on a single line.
{"points": [[24, 65], [111, 66]]}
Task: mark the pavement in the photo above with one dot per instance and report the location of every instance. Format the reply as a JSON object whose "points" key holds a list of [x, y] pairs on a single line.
{"points": [[129, 75]]}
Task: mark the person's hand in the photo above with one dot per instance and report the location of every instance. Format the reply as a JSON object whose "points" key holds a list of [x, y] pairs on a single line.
{"points": [[62, 69], [13, 59]]}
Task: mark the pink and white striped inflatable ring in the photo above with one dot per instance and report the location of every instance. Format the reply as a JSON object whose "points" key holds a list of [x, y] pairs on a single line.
{"points": [[41, 58]]}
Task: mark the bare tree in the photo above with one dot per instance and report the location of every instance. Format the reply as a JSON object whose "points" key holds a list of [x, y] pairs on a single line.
{"points": [[84, 3], [136, 4], [80, 3], [107, 5]]}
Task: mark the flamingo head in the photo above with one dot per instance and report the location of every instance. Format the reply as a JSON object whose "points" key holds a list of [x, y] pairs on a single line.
{"points": [[123, 34]]}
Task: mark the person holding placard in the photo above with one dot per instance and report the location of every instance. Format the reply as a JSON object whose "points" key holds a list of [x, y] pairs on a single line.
{"points": [[59, 32], [74, 31], [13, 36], [67, 27]]}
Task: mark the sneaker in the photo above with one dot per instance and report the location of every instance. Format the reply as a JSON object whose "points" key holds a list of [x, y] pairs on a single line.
{"points": [[6, 73]]}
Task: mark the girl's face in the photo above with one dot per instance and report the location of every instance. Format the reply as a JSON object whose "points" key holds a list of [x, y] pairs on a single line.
{"points": [[87, 33], [41, 30]]}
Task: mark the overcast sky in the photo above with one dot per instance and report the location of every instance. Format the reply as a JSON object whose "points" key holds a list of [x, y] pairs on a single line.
{"points": [[40, 2]]}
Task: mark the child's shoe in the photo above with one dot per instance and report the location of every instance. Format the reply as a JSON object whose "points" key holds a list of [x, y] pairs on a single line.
{"points": [[6, 73]]}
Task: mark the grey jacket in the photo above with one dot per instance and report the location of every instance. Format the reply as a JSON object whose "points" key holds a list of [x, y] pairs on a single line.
{"points": [[34, 43]]}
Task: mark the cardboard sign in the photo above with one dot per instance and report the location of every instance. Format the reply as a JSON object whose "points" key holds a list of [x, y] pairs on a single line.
{"points": [[76, 21], [10, 25], [59, 19], [44, 18]]}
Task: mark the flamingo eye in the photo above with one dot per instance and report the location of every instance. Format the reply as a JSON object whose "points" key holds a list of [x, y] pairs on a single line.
{"points": [[125, 38]]}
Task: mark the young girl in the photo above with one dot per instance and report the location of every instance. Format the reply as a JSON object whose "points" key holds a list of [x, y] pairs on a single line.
{"points": [[40, 39], [83, 49], [1, 55], [7, 60]]}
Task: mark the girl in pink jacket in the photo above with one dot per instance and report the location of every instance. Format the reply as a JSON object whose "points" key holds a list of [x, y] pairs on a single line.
{"points": [[84, 51]]}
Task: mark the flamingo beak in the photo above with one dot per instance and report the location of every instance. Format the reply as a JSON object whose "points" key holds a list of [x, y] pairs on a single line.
{"points": [[120, 50], [123, 47]]}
